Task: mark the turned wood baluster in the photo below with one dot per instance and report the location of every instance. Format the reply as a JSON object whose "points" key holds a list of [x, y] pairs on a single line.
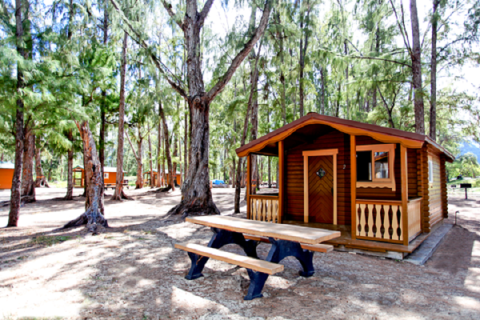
{"points": [[382, 220], [366, 227], [359, 212], [374, 226], [399, 218], [390, 221]]}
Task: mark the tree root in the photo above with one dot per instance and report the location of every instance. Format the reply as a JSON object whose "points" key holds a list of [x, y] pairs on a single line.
{"points": [[165, 189], [90, 219], [186, 208], [120, 197]]}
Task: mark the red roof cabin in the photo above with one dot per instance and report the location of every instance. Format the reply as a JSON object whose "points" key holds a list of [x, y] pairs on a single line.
{"points": [[384, 189]]}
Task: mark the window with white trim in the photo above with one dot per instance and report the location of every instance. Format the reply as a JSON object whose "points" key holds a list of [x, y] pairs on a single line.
{"points": [[105, 175], [375, 166]]}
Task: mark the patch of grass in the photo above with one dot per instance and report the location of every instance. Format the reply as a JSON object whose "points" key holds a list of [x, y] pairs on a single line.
{"points": [[50, 240]]}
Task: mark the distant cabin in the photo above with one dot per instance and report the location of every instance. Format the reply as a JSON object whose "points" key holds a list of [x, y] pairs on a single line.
{"points": [[109, 176], [384, 189], [146, 178], [6, 175]]}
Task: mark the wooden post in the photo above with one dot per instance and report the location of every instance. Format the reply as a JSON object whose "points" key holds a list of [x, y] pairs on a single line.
{"points": [[404, 181], [249, 185], [281, 186], [305, 189], [353, 184]]}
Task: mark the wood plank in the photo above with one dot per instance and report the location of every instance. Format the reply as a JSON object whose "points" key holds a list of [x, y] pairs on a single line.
{"points": [[249, 187], [232, 258], [281, 181], [324, 248], [266, 229], [353, 187]]}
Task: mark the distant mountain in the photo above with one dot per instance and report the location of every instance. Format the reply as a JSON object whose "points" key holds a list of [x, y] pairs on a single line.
{"points": [[470, 146]]}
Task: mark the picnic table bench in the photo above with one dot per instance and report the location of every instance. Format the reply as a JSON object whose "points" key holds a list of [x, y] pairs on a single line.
{"points": [[287, 240]]}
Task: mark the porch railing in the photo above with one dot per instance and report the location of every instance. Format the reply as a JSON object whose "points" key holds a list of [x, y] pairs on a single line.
{"points": [[414, 217], [379, 220], [264, 208]]}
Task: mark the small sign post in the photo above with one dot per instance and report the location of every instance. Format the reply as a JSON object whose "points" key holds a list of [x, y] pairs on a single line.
{"points": [[466, 186]]}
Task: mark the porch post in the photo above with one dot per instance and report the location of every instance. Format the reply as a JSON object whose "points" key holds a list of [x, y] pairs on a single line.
{"points": [[249, 185], [281, 186], [353, 184], [404, 180]]}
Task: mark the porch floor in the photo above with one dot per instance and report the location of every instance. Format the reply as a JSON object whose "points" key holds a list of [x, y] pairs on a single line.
{"points": [[346, 239]]}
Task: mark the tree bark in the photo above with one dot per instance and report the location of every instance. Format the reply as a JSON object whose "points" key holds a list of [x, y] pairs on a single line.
{"points": [[417, 70], [159, 151], [103, 104], [69, 195], [303, 52], [119, 193], [150, 161], [196, 192], [15, 197], [28, 184], [92, 216], [280, 37], [40, 177], [433, 74], [171, 175]]}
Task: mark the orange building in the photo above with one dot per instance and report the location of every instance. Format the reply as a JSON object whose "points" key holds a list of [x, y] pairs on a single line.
{"points": [[109, 176], [6, 175], [146, 177]]}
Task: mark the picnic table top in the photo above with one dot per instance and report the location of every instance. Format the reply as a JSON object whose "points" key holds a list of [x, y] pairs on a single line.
{"points": [[267, 229]]}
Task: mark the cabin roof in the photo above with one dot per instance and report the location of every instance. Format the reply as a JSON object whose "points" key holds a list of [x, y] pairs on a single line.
{"points": [[7, 165], [265, 145]]}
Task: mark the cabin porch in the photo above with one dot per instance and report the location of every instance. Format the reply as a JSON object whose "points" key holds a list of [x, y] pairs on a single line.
{"points": [[380, 224]]}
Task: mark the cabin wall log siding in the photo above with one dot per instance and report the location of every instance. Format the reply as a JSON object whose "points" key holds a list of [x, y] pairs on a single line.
{"points": [[435, 191], [294, 187], [443, 179]]}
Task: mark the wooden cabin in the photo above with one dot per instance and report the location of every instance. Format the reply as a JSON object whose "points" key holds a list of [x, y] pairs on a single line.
{"points": [[78, 177], [384, 189], [146, 178], [109, 177], [6, 175]]}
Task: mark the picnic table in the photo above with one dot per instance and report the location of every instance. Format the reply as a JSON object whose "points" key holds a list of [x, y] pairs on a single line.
{"points": [[287, 240]]}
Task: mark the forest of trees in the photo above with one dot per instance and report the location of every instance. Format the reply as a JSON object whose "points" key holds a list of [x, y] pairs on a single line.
{"points": [[186, 88]]}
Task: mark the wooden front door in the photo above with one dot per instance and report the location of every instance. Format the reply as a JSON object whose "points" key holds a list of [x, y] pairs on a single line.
{"points": [[321, 188]]}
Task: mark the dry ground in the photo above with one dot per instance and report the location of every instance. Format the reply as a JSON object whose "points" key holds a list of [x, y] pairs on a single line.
{"points": [[133, 272]]}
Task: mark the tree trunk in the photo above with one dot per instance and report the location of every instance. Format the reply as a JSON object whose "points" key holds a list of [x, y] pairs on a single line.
{"points": [[94, 196], [139, 183], [28, 184], [150, 154], [322, 90], [119, 193], [433, 74], [159, 136], [185, 143], [196, 192], [280, 37], [40, 177], [15, 197], [417, 70], [103, 104], [69, 195], [303, 52], [171, 175]]}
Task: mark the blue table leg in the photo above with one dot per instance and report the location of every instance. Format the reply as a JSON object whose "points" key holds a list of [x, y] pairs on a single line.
{"points": [[219, 239]]}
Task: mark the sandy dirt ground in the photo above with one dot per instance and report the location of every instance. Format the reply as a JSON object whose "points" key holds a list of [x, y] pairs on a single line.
{"points": [[132, 270]]}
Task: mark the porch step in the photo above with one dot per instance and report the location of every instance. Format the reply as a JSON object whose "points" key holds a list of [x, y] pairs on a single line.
{"points": [[428, 247]]}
